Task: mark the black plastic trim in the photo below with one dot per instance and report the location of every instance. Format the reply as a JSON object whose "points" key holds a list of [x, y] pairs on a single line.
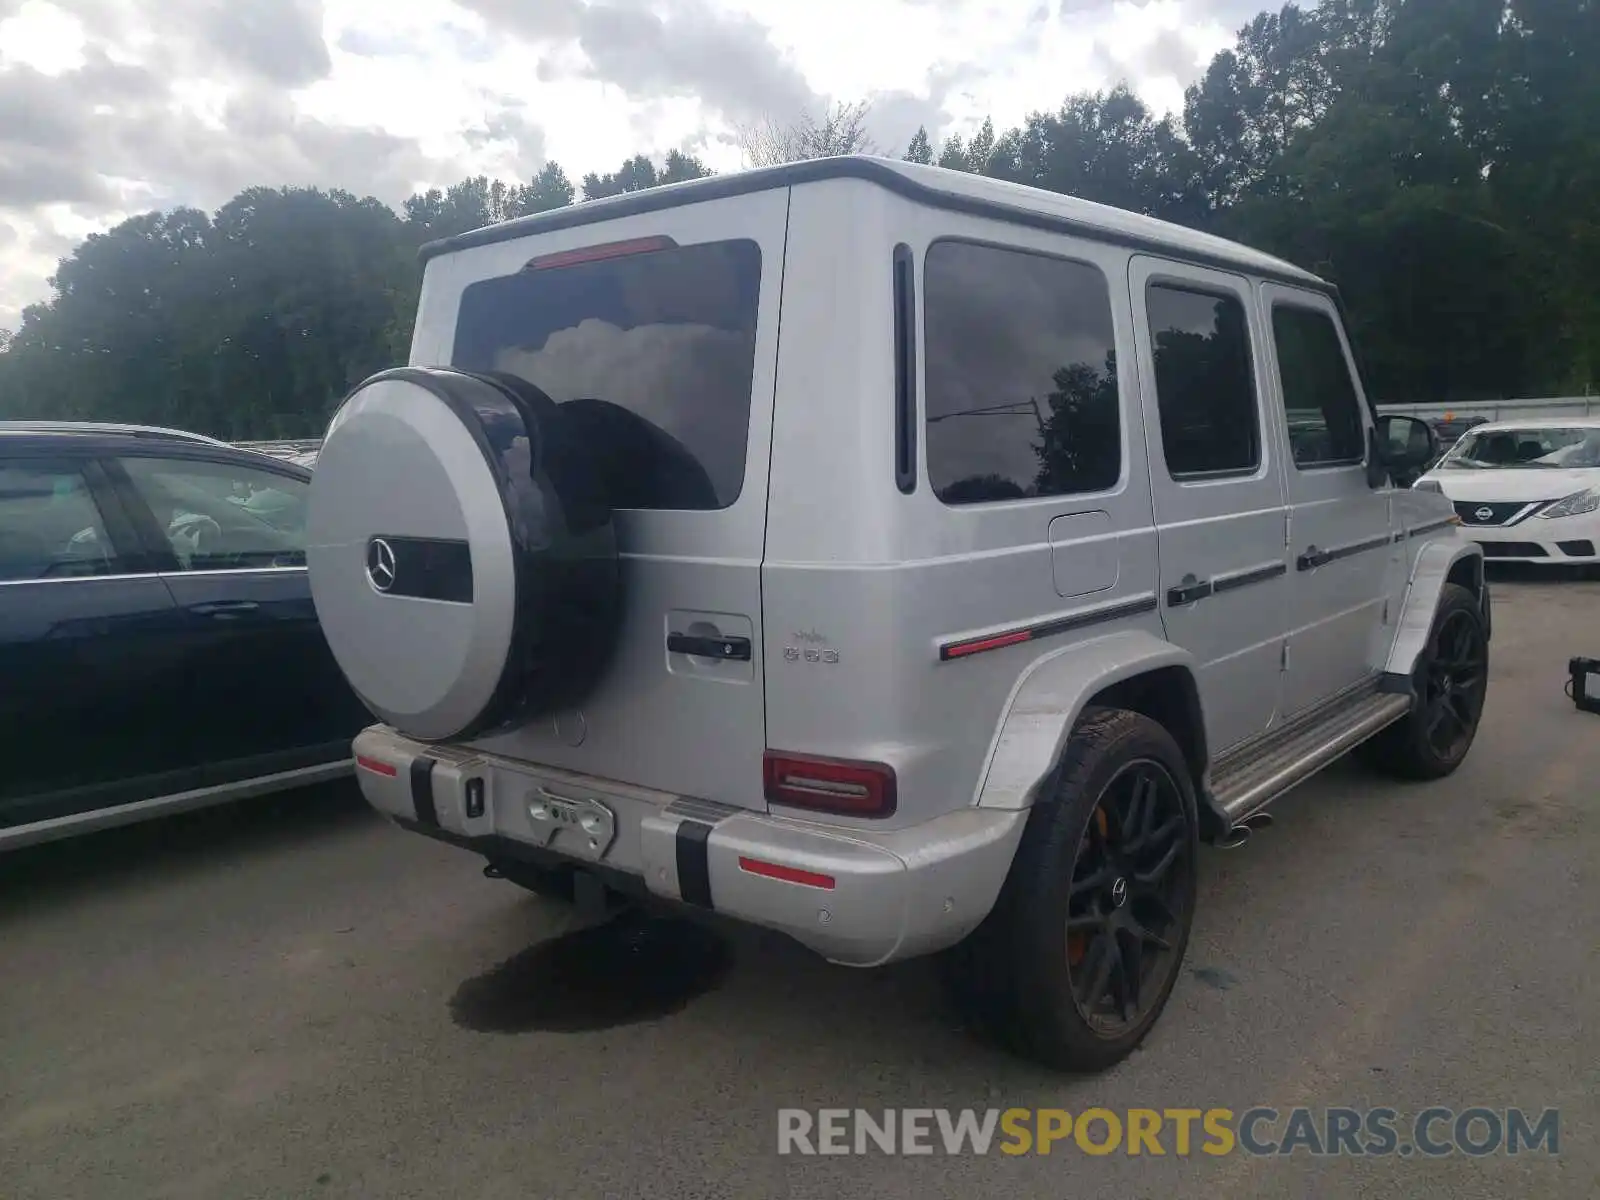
{"points": [[1431, 527], [1189, 593], [1313, 558], [1191, 590], [422, 791], [1396, 683], [870, 170], [692, 844], [968, 646], [498, 848], [905, 370], [430, 568], [1230, 583]]}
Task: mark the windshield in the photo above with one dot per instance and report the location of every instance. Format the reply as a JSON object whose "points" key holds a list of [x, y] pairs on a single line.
{"points": [[1557, 446]]}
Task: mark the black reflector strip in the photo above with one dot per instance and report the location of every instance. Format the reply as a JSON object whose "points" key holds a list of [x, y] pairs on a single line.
{"points": [[1431, 526], [422, 792], [694, 866], [421, 568]]}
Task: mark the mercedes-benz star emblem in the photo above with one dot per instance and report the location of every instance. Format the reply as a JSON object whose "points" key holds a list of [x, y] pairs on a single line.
{"points": [[380, 564], [1119, 893], [1484, 513]]}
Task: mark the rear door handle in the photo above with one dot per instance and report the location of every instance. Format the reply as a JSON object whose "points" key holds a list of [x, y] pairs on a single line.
{"points": [[1312, 559], [1189, 590], [729, 649], [224, 608]]}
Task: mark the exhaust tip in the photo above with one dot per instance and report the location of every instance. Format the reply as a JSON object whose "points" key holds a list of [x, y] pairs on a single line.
{"points": [[1235, 837]]}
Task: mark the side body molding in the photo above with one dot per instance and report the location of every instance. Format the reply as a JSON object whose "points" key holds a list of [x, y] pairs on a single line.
{"points": [[1045, 704], [1428, 575]]}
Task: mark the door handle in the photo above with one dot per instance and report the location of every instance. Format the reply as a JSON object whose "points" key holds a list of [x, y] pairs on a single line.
{"points": [[1189, 590], [1312, 559], [729, 649], [223, 608]]}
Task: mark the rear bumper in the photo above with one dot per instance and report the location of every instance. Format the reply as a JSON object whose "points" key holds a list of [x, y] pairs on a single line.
{"points": [[857, 897]]}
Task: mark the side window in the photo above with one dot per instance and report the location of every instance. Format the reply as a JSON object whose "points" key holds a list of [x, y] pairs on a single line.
{"points": [[50, 526], [1205, 385], [218, 516], [1021, 375], [1319, 396]]}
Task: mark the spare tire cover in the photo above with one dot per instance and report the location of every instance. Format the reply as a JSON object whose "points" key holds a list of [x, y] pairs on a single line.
{"points": [[462, 555]]}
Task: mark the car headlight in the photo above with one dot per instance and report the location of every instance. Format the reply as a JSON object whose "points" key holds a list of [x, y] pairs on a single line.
{"points": [[1427, 485], [1574, 505]]}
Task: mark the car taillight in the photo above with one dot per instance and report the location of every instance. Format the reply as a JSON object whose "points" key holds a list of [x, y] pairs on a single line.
{"points": [[376, 766], [831, 785], [599, 253]]}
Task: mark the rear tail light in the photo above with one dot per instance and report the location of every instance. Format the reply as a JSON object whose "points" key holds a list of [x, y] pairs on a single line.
{"points": [[606, 250], [376, 766], [831, 785]]}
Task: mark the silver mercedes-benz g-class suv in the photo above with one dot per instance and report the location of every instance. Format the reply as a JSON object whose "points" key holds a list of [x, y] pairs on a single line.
{"points": [[900, 559]]}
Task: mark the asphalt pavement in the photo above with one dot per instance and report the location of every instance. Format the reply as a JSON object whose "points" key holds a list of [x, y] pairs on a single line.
{"points": [[291, 998]]}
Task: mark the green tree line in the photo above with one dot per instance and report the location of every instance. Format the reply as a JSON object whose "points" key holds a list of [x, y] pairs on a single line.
{"points": [[1438, 159]]}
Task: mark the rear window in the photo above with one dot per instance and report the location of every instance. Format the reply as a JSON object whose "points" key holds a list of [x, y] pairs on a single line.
{"points": [[658, 348]]}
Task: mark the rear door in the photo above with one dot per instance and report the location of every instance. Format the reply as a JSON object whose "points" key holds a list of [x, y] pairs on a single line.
{"points": [[263, 693], [672, 315], [91, 677], [1217, 488]]}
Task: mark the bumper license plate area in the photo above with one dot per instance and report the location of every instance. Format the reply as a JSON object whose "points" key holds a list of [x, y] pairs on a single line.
{"points": [[572, 825]]}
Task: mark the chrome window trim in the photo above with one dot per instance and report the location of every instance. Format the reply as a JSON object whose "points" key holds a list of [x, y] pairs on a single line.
{"points": [[126, 575]]}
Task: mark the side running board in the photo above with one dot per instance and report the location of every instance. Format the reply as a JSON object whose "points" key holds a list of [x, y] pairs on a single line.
{"points": [[1248, 779]]}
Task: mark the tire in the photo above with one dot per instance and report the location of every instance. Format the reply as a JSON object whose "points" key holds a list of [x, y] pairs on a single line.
{"points": [[477, 492], [1406, 749], [1015, 976]]}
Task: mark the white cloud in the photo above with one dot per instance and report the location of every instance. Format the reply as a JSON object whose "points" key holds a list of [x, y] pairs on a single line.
{"points": [[108, 106]]}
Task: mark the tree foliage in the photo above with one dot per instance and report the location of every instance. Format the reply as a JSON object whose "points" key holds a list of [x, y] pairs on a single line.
{"points": [[841, 129], [1437, 159]]}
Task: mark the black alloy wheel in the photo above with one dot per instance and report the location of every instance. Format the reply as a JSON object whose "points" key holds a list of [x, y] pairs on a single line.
{"points": [[1130, 893], [1452, 684]]}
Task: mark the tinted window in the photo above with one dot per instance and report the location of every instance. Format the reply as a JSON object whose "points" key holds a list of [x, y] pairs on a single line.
{"points": [[1022, 375], [1204, 384], [1319, 395], [218, 516], [657, 350], [50, 527]]}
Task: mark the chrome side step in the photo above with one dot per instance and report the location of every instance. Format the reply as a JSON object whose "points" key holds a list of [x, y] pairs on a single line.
{"points": [[1250, 778]]}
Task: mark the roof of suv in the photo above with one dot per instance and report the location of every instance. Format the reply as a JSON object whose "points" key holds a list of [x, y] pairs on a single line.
{"points": [[938, 187]]}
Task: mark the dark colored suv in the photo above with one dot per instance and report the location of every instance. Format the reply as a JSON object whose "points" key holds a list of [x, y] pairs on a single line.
{"points": [[158, 645]]}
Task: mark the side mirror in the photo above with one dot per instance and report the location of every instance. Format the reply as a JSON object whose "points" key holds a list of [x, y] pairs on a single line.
{"points": [[1401, 446]]}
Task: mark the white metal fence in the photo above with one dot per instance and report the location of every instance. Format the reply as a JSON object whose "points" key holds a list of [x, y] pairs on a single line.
{"points": [[1503, 410]]}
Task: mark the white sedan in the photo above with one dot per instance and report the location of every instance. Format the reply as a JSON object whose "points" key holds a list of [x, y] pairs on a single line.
{"points": [[1527, 491]]}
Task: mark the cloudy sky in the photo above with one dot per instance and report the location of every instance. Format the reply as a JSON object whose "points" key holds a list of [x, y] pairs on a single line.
{"points": [[112, 107]]}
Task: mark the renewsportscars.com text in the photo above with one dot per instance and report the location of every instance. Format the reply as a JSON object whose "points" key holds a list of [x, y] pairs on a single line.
{"points": [[1431, 1132]]}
